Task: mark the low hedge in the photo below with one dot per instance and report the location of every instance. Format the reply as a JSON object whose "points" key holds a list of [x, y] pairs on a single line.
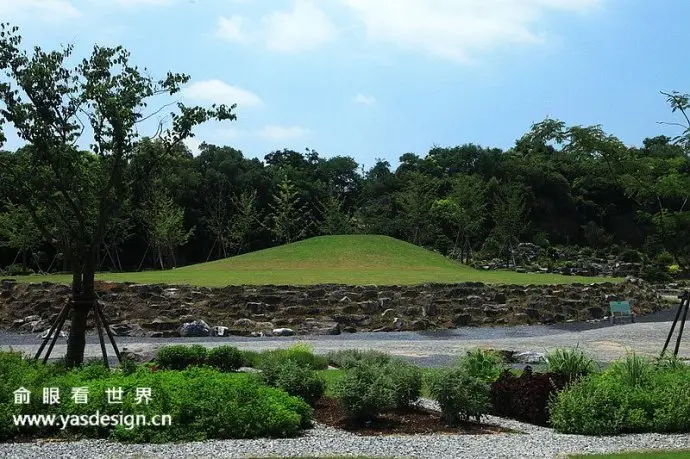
{"points": [[203, 403]]}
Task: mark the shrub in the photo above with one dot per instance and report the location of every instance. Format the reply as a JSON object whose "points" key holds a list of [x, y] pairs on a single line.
{"points": [[297, 380], [406, 380], [202, 402], [180, 357], [483, 364], [526, 397], [301, 354], [225, 358], [664, 259], [250, 358], [542, 240], [631, 396], [630, 256], [128, 366], [349, 358], [571, 362], [364, 391], [461, 396]]}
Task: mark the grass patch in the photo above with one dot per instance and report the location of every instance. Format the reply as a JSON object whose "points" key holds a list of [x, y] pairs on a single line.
{"points": [[352, 259]]}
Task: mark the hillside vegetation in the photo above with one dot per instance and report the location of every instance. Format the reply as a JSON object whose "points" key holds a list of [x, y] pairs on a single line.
{"points": [[351, 259]]}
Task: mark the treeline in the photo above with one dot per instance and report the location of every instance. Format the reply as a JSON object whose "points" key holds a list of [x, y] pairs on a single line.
{"points": [[557, 186]]}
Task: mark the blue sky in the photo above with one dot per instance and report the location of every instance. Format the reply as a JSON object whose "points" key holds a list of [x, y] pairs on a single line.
{"points": [[379, 78]]}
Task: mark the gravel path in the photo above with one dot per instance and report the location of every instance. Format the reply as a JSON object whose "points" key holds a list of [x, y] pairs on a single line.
{"points": [[605, 343], [532, 442]]}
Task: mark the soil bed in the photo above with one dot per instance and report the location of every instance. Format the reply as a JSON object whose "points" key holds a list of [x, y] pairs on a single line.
{"points": [[409, 421]]}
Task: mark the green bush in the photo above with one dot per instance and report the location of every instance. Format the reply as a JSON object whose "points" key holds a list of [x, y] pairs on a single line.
{"points": [[250, 358], [349, 358], [301, 354], [202, 402], [296, 380], [225, 358], [406, 381], [570, 362], [630, 396], [483, 364], [128, 366], [364, 391], [630, 256], [179, 357], [461, 396]]}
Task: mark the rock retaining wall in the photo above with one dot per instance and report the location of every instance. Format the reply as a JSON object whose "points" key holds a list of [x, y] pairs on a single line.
{"points": [[160, 310]]}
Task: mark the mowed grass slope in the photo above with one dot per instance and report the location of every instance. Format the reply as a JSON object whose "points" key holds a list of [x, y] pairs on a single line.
{"points": [[351, 259]]}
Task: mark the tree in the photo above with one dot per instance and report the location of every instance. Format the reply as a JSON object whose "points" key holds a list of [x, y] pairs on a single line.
{"points": [[510, 217], [334, 219], [18, 232], [245, 220], [217, 221], [289, 219], [69, 192], [163, 222]]}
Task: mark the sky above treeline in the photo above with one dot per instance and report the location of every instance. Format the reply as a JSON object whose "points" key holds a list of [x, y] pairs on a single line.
{"points": [[379, 78]]}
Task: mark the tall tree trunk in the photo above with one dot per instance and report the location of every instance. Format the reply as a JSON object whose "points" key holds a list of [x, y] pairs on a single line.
{"points": [[83, 297], [160, 259]]}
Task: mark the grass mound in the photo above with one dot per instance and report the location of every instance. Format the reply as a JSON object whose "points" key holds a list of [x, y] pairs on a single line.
{"points": [[347, 259]]}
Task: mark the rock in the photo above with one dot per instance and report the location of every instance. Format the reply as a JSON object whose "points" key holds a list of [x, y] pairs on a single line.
{"points": [[256, 307], [139, 354], [398, 323], [349, 329], [18, 322], [385, 303], [44, 335], [127, 330], [38, 326], [32, 318], [529, 357], [244, 323], [420, 324], [171, 292], [462, 320], [8, 284], [219, 330], [388, 312], [283, 332], [195, 329], [160, 324]]}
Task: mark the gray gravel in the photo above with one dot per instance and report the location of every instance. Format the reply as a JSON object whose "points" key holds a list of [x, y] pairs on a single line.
{"points": [[531, 442], [604, 343]]}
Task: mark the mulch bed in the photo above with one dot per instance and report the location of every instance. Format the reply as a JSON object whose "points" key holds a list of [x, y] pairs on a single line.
{"points": [[410, 421]]}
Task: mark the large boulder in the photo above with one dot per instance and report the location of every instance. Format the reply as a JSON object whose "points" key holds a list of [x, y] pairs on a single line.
{"points": [[198, 328], [283, 332]]}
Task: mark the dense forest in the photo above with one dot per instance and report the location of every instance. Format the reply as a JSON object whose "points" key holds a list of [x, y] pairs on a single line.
{"points": [[557, 186]]}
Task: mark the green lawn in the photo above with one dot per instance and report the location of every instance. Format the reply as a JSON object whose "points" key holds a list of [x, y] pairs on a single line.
{"points": [[354, 260], [685, 454]]}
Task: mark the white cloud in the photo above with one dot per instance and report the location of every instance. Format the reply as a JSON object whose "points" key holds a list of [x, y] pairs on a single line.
{"points": [[305, 27], [455, 29], [231, 29], [44, 10], [218, 92], [364, 100], [274, 132]]}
